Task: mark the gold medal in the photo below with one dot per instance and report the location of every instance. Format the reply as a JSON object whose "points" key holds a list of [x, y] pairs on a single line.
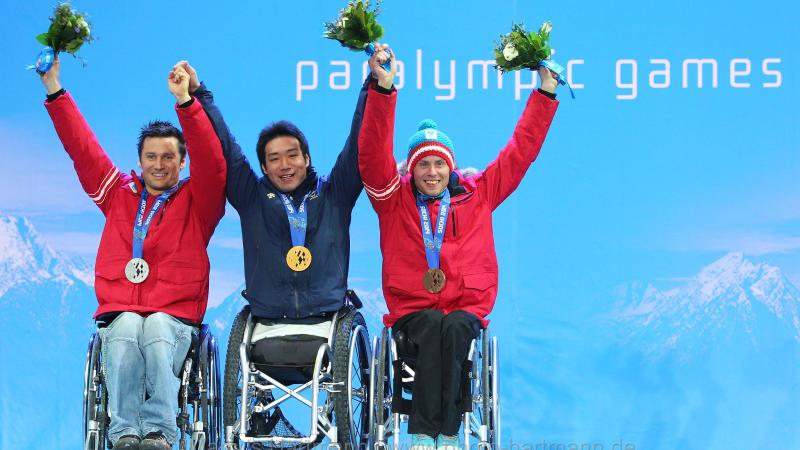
{"points": [[434, 280], [298, 258]]}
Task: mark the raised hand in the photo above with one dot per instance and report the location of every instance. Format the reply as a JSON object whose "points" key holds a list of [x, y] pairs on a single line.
{"points": [[194, 79], [51, 79], [178, 84], [382, 54], [548, 81]]}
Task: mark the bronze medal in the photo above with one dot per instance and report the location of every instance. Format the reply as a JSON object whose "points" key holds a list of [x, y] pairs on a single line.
{"points": [[298, 258], [434, 280]]}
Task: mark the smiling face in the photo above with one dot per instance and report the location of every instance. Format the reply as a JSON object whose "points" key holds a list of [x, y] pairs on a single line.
{"points": [[285, 164], [431, 175], [161, 163]]}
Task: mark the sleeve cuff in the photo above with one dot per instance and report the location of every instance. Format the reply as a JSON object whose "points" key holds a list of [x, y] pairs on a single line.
{"points": [[547, 94], [382, 89], [55, 95], [187, 103]]}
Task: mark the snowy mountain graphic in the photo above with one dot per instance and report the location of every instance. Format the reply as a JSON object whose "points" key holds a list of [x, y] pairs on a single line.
{"points": [[730, 300], [46, 304], [25, 258]]}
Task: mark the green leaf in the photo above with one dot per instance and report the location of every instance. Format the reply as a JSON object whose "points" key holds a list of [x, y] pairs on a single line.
{"points": [[43, 39]]}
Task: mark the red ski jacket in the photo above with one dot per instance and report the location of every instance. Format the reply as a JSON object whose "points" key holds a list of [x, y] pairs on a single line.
{"points": [[175, 246], [467, 255]]}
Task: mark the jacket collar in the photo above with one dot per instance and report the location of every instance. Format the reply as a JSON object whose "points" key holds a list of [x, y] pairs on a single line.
{"points": [[305, 186]]}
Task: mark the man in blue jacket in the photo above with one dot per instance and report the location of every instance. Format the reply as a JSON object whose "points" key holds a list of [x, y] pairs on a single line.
{"points": [[295, 222]]}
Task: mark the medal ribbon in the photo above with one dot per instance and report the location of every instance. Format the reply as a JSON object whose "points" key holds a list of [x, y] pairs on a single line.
{"points": [[142, 223], [298, 219], [559, 69], [370, 50], [432, 239]]}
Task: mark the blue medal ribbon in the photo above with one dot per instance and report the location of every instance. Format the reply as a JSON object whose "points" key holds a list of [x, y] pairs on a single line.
{"points": [[142, 223], [370, 50], [432, 239], [298, 219], [558, 69], [45, 60]]}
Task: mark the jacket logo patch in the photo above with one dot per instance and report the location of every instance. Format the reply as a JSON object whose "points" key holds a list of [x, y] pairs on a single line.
{"points": [[270, 195], [313, 195]]}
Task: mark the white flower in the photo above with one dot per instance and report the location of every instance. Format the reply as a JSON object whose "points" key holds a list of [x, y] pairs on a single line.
{"points": [[510, 52], [546, 27], [84, 26]]}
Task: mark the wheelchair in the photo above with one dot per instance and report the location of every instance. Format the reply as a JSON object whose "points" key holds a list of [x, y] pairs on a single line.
{"points": [[327, 376], [392, 376], [198, 397]]}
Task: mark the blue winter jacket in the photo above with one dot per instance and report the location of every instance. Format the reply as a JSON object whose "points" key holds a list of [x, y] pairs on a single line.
{"points": [[272, 288]]}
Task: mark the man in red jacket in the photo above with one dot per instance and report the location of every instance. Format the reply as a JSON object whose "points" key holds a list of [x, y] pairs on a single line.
{"points": [[439, 262], [151, 272]]}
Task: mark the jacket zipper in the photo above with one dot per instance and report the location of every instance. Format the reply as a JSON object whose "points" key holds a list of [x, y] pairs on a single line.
{"points": [[467, 196], [163, 210], [455, 221]]}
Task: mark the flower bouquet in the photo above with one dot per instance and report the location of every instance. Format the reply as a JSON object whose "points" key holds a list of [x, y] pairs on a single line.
{"points": [[356, 27], [68, 31], [521, 49]]}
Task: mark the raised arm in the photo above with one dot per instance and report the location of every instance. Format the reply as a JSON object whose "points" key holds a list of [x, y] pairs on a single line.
{"points": [[206, 163], [345, 177], [242, 181], [375, 141], [504, 174], [98, 175]]}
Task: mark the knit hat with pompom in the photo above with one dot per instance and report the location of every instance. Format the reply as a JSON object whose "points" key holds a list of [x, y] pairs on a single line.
{"points": [[429, 141]]}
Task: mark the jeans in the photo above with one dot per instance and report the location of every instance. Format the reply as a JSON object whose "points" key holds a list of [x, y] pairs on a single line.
{"points": [[144, 355]]}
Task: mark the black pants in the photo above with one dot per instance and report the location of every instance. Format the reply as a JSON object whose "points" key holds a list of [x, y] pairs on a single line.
{"points": [[443, 345]]}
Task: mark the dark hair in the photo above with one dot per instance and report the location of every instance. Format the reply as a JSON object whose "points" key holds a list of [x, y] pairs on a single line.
{"points": [[277, 129], [161, 128]]}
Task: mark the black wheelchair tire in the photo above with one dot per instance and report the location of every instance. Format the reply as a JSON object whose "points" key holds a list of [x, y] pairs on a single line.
{"points": [[348, 320], [231, 395]]}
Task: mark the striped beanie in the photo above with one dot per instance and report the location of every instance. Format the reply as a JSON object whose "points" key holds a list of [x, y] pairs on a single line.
{"points": [[429, 141]]}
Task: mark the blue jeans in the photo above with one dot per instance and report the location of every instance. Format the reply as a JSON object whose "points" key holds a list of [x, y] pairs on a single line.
{"points": [[144, 355]]}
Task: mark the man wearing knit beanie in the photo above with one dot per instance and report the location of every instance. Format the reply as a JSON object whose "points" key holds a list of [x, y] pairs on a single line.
{"points": [[439, 263]]}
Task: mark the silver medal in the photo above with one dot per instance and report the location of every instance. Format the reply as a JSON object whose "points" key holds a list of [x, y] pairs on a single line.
{"points": [[137, 270]]}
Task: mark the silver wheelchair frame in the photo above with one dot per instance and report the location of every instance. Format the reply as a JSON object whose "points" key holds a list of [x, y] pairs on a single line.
{"points": [[481, 423], [339, 363], [199, 393]]}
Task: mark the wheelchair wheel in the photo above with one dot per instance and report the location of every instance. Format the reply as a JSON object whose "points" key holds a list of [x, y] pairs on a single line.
{"points": [[351, 367], [232, 388], [211, 406], [95, 399], [383, 383], [490, 388]]}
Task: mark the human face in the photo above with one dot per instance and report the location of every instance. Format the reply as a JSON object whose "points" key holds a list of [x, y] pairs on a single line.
{"points": [[161, 163], [431, 175], [286, 166]]}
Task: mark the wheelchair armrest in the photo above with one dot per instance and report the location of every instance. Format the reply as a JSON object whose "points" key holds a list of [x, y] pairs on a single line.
{"points": [[354, 300]]}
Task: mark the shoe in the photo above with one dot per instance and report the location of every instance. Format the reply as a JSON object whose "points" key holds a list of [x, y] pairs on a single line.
{"points": [[444, 442], [155, 441], [127, 442], [422, 442]]}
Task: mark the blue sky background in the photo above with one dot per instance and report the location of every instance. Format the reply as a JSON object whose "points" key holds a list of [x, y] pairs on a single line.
{"points": [[650, 189]]}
